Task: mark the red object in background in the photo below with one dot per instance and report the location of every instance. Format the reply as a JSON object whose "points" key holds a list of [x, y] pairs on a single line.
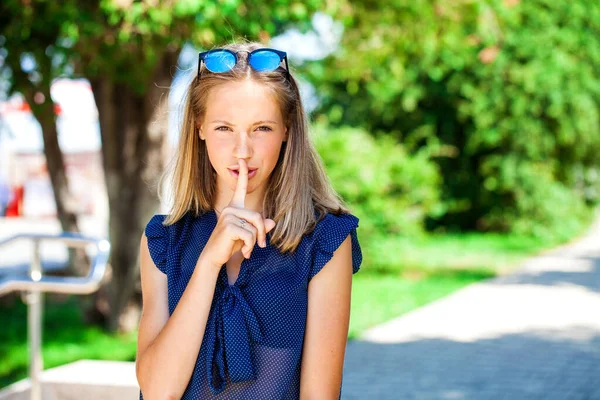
{"points": [[24, 107], [15, 207]]}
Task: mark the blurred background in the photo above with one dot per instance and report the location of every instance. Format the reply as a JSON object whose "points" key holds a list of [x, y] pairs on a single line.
{"points": [[464, 134]]}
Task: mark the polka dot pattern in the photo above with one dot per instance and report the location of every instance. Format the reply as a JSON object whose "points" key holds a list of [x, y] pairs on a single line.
{"points": [[252, 343]]}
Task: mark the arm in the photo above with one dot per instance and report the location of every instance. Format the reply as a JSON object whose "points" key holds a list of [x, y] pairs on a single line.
{"points": [[168, 347], [327, 327]]}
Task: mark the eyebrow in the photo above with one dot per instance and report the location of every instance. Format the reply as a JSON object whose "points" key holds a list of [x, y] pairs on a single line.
{"points": [[256, 123]]}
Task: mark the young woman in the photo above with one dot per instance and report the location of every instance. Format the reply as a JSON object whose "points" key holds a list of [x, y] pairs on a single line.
{"points": [[246, 282]]}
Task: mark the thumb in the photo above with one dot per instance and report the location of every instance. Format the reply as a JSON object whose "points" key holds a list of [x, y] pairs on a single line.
{"points": [[269, 225]]}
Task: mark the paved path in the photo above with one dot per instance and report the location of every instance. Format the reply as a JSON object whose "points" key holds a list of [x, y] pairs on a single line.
{"points": [[534, 334]]}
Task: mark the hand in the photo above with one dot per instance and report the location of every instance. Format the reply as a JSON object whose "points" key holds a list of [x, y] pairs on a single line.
{"points": [[229, 236]]}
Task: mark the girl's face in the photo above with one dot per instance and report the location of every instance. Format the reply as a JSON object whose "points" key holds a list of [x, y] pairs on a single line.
{"points": [[243, 121]]}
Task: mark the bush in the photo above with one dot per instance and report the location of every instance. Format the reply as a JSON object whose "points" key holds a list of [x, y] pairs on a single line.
{"points": [[543, 207], [389, 190]]}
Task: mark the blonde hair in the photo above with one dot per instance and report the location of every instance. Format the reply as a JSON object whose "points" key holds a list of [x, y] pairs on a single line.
{"points": [[298, 194]]}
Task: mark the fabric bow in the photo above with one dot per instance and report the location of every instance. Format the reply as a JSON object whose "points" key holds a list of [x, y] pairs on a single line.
{"points": [[236, 325]]}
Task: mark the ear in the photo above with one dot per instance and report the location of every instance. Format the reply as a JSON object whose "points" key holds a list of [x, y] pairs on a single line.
{"points": [[199, 127], [285, 138]]}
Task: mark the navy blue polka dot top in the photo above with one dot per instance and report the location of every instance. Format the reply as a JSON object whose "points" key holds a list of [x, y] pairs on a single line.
{"points": [[252, 344]]}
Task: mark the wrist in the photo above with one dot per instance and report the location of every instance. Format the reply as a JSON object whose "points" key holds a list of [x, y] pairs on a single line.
{"points": [[206, 265]]}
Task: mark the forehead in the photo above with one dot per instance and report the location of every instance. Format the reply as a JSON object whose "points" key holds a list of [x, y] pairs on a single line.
{"points": [[241, 100]]}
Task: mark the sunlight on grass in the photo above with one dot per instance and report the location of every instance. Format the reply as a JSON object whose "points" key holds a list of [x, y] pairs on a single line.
{"points": [[376, 299], [492, 252], [399, 274], [65, 339]]}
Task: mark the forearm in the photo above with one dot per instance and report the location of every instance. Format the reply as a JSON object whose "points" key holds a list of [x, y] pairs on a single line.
{"points": [[165, 367]]}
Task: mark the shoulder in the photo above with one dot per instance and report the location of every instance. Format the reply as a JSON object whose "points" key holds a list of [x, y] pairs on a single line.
{"points": [[330, 221], [332, 228], [155, 226], [161, 236], [158, 239], [330, 232], [158, 226]]}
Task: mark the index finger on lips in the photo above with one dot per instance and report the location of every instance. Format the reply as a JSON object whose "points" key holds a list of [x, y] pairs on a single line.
{"points": [[239, 196]]}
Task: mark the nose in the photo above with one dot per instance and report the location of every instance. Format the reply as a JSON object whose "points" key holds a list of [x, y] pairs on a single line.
{"points": [[243, 146]]}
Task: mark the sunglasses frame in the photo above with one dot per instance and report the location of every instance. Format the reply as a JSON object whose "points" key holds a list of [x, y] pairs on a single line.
{"points": [[282, 57]]}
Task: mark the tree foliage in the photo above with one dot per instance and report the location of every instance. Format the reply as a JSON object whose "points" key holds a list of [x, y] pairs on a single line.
{"points": [[508, 91], [129, 51]]}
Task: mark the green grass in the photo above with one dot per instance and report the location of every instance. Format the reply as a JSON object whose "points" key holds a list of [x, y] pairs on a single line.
{"points": [[379, 299], [397, 276], [492, 252], [65, 339]]}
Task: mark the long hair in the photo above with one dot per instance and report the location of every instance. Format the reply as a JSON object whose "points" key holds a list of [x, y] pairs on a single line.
{"points": [[298, 193]]}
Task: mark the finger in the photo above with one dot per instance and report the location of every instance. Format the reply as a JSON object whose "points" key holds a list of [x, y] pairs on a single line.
{"points": [[236, 233], [239, 196], [269, 225], [233, 224], [247, 250], [248, 237], [254, 218]]}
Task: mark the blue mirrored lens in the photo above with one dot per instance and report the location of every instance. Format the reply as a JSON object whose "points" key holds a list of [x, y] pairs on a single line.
{"points": [[265, 61], [219, 61]]}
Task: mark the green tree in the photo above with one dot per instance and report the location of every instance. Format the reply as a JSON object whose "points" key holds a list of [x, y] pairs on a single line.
{"points": [[128, 50], [26, 40], [508, 90]]}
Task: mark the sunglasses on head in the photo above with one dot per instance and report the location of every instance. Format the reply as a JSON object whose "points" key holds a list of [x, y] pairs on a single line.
{"points": [[223, 60]]}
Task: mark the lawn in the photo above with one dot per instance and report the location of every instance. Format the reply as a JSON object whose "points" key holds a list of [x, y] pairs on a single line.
{"points": [[397, 276], [65, 339]]}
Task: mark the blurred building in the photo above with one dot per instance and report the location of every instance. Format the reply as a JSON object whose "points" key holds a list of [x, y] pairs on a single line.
{"points": [[22, 161]]}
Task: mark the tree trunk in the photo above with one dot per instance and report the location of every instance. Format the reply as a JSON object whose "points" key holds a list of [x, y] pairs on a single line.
{"points": [[66, 205], [133, 136]]}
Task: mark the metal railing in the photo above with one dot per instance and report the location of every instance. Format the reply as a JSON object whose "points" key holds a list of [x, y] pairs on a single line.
{"points": [[34, 284]]}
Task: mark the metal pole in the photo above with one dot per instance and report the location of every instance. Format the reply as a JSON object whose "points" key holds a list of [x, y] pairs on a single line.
{"points": [[34, 314], [33, 286]]}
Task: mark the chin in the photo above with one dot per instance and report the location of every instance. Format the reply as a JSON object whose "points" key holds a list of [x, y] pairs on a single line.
{"points": [[249, 188]]}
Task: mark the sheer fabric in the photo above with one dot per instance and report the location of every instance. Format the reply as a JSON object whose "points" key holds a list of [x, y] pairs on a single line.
{"points": [[253, 340]]}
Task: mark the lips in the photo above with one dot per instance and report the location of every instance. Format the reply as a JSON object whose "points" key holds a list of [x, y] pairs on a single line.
{"points": [[236, 168], [251, 172]]}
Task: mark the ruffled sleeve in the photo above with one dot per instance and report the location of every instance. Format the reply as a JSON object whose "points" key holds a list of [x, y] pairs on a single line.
{"points": [[329, 234], [158, 241]]}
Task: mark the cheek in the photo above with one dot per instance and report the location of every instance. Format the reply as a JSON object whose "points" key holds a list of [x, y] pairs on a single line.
{"points": [[271, 152], [217, 149]]}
